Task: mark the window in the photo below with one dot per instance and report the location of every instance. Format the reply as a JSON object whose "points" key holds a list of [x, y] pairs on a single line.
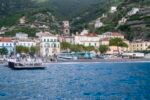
{"points": [[146, 44], [52, 45], [55, 45]]}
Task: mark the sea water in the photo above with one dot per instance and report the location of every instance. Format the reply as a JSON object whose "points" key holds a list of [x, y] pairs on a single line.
{"points": [[77, 81]]}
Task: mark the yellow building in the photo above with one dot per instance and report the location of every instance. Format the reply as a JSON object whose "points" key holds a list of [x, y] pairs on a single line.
{"points": [[139, 45], [104, 40]]}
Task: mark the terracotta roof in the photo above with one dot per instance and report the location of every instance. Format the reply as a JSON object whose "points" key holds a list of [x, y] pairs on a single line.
{"points": [[113, 34], [90, 35], [5, 39], [116, 34], [105, 39]]}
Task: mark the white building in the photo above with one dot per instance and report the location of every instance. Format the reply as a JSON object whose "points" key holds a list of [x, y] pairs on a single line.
{"points": [[21, 35], [43, 26], [68, 39], [26, 43], [89, 39], [49, 45], [111, 35], [7, 43], [22, 20], [122, 21], [84, 32], [40, 34], [113, 9], [98, 23], [133, 11]]}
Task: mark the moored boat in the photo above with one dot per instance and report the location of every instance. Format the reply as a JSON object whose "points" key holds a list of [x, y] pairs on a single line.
{"points": [[26, 64], [66, 57]]}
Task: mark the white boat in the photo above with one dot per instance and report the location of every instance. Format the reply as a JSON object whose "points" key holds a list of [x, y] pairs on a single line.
{"points": [[26, 64], [147, 56], [66, 57], [134, 54]]}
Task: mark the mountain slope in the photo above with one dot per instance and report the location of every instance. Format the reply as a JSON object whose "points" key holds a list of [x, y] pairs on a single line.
{"points": [[136, 26], [64, 8], [94, 11]]}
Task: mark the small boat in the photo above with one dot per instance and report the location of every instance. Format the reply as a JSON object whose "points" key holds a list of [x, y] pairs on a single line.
{"points": [[26, 64], [66, 57]]}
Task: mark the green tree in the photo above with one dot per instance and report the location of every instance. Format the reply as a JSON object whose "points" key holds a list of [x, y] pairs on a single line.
{"points": [[103, 49], [89, 48], [3, 51], [77, 48], [117, 42], [22, 49], [33, 50], [65, 45]]}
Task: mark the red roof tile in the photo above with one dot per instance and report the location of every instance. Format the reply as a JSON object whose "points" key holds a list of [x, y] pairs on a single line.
{"points": [[5, 39], [116, 34], [90, 35], [105, 39]]}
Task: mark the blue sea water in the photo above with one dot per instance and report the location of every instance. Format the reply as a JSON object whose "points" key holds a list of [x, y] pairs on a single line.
{"points": [[77, 81]]}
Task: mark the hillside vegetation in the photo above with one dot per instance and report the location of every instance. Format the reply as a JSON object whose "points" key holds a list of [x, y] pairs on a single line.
{"points": [[137, 26], [81, 14]]}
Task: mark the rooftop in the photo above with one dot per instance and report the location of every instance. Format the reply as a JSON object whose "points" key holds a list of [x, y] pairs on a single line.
{"points": [[90, 35], [5, 39], [105, 39], [113, 34]]}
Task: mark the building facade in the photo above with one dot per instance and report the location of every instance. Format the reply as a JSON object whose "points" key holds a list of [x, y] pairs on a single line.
{"points": [[26, 43], [139, 45], [98, 23], [68, 39], [113, 9], [7, 43], [49, 45], [66, 27], [90, 39], [111, 35], [21, 35], [104, 40]]}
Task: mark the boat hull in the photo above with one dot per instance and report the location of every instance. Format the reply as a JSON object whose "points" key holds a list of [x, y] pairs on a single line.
{"points": [[14, 65], [11, 64]]}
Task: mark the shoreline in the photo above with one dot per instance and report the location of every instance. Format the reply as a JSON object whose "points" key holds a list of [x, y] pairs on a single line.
{"points": [[88, 61], [103, 61]]}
